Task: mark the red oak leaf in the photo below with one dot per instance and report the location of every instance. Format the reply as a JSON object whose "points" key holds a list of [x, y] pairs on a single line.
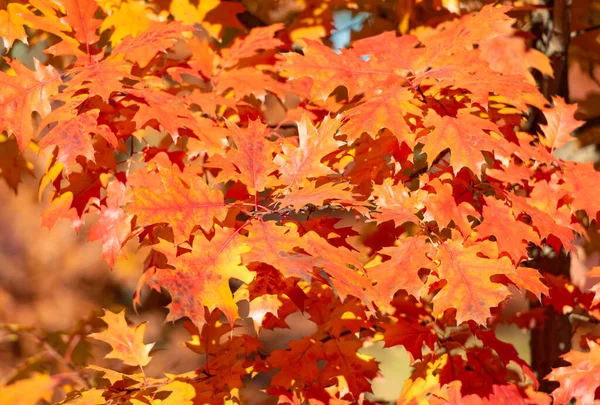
{"points": [[201, 276], [182, 200]]}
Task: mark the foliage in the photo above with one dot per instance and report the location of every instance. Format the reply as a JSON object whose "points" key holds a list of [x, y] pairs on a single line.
{"points": [[403, 206]]}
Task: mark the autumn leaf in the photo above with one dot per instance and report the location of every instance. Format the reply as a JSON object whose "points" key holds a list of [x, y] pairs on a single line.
{"points": [[253, 156], [261, 38], [92, 397], [464, 135], [72, 134], [444, 209], [181, 393], [394, 203], [333, 193], [24, 92], [274, 244], [182, 200], [401, 271], [29, 391], [561, 124], [12, 24], [386, 110], [467, 277], [496, 212], [578, 380], [299, 163], [157, 38], [112, 228], [201, 276], [131, 18], [127, 343], [412, 335], [578, 178]]}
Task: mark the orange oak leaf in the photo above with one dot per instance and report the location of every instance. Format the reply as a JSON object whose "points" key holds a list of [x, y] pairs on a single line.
{"points": [[127, 343], [578, 178], [467, 276], [12, 24], [343, 360], [345, 270], [328, 70], [332, 193], [201, 276], [80, 17], [23, 93], [158, 38], [544, 223], [248, 81], [464, 135], [386, 110], [180, 199], [113, 226], [510, 239], [101, 78], [299, 163], [444, 209], [253, 156], [580, 379], [508, 54], [274, 245], [401, 271], [170, 111], [393, 202], [261, 38], [72, 134], [461, 34], [561, 124]]}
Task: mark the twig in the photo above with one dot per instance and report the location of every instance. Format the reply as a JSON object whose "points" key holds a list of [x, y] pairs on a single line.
{"points": [[584, 31]]}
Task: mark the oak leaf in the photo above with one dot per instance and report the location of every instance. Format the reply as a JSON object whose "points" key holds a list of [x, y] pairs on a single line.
{"points": [[299, 163], [444, 209], [113, 226], [401, 271], [580, 379], [465, 135], [127, 343], [253, 156], [561, 124], [510, 239], [80, 17], [23, 93], [12, 24], [394, 202], [182, 200], [72, 134], [200, 277], [467, 276], [412, 335], [29, 391]]}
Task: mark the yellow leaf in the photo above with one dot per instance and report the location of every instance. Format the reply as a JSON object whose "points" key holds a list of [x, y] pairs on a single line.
{"points": [[127, 343], [28, 391]]}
